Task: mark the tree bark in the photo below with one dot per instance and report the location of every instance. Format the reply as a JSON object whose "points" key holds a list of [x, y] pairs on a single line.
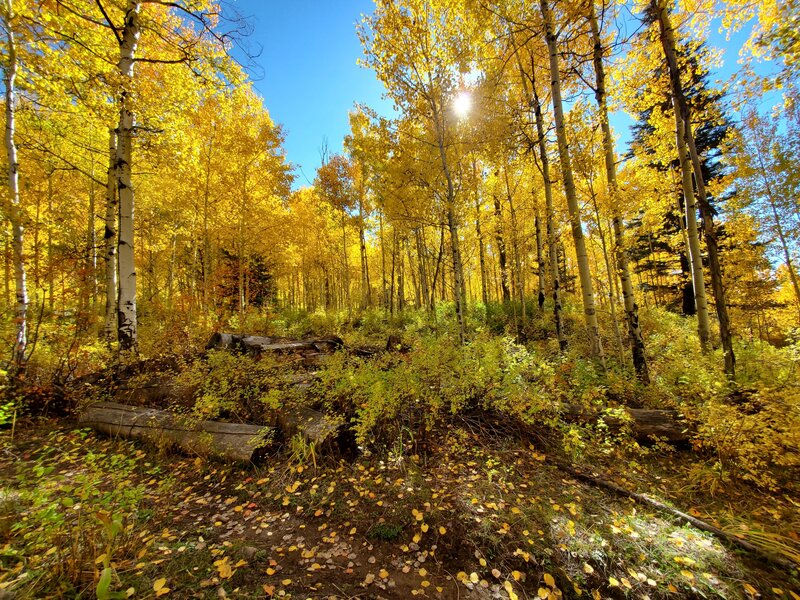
{"points": [[682, 106], [540, 266], [501, 248], [14, 212], [126, 300], [628, 297], [110, 241], [584, 274], [550, 219], [682, 133], [479, 234]]}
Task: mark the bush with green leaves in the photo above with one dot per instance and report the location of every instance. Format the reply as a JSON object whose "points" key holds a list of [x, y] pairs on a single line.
{"points": [[236, 386]]}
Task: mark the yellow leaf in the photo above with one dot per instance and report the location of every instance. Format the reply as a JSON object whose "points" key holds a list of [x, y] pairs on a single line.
{"points": [[424, 527], [548, 579], [286, 582], [587, 568], [596, 595], [269, 590], [442, 530], [383, 573], [516, 575], [687, 574], [750, 589], [159, 583], [543, 593], [613, 582], [270, 571], [473, 577], [162, 591]]}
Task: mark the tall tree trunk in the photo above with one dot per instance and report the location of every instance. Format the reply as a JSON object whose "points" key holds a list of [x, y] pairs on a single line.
{"points": [[550, 219], [540, 266], [110, 241], [698, 278], [628, 297], [366, 290], [517, 253], [423, 269], [126, 301], [452, 222], [383, 261], [584, 274], [207, 267], [91, 236], [479, 234], [14, 212], [345, 263], [501, 248], [682, 106]]}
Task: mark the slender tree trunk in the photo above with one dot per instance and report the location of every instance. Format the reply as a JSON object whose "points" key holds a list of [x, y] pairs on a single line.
{"points": [[681, 127], [787, 257], [423, 270], [537, 222], [394, 263], [628, 296], [437, 271], [345, 263], [550, 219], [479, 234], [110, 241], [383, 260], [91, 237], [585, 276], [366, 290], [452, 222], [501, 248], [126, 308], [207, 268], [18, 357], [709, 234], [517, 253]]}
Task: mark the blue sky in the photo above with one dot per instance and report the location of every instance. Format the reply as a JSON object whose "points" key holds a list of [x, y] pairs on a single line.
{"points": [[309, 79], [308, 74]]}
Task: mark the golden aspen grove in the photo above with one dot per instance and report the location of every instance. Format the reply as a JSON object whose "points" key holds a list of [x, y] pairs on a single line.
{"points": [[528, 328]]}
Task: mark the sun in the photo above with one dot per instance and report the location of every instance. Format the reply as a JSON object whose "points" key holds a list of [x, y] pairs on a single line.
{"points": [[462, 104]]}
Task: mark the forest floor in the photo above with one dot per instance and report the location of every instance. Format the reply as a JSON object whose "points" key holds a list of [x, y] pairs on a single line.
{"points": [[479, 515]]}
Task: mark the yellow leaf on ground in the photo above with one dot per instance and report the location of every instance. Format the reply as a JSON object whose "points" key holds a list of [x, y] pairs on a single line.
{"points": [[159, 583], [548, 579]]}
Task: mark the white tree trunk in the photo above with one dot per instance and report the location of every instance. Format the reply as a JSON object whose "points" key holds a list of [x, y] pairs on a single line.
{"points": [[629, 299], [14, 211], [584, 273], [126, 301], [696, 260], [110, 241]]}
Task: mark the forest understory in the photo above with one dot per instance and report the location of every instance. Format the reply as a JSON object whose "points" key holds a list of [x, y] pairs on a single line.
{"points": [[465, 472]]}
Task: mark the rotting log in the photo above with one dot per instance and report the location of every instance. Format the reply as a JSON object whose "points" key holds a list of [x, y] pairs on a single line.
{"points": [[259, 345], [233, 441], [312, 425], [646, 424]]}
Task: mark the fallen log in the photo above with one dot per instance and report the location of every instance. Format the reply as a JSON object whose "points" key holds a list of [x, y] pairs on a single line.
{"points": [[233, 441], [646, 424], [256, 345], [765, 554]]}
